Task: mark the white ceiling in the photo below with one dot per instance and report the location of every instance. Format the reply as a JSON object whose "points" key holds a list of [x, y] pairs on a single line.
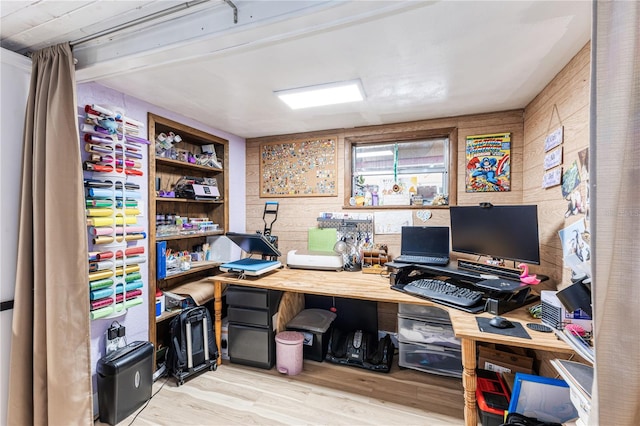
{"points": [[416, 59]]}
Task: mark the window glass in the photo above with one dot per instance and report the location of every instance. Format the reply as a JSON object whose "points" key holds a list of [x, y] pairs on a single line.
{"points": [[400, 173]]}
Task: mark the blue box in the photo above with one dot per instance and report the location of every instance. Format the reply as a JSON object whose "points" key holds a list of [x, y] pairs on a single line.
{"points": [[161, 260]]}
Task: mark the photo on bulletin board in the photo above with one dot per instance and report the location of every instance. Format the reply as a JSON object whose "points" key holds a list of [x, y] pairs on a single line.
{"points": [[488, 163], [300, 168]]}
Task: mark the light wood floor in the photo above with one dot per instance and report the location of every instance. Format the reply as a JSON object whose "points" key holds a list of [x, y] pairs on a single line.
{"points": [[323, 394]]}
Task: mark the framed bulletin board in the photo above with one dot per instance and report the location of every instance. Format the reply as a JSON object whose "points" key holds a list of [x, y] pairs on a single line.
{"points": [[301, 168]]}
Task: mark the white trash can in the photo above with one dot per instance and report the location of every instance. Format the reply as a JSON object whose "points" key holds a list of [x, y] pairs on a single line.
{"points": [[289, 355]]}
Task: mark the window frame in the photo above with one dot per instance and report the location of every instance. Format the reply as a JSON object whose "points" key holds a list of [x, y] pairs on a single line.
{"points": [[450, 133]]}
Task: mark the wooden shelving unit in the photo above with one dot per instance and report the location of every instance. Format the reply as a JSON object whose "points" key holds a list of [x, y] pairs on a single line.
{"points": [[166, 172]]}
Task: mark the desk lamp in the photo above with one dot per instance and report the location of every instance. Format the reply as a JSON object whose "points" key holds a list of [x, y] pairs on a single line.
{"points": [[348, 250]]}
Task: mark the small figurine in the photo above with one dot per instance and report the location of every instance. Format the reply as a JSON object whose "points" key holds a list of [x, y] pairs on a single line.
{"points": [[525, 277]]}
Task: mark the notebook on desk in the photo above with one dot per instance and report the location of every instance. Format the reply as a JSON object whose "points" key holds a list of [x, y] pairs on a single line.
{"points": [[426, 245]]}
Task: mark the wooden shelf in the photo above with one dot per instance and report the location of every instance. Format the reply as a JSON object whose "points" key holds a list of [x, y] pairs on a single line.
{"points": [[195, 267], [166, 173], [187, 200], [168, 314], [183, 236], [160, 161]]}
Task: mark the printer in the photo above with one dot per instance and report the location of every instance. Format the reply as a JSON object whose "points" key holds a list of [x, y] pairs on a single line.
{"points": [[197, 188], [323, 260]]}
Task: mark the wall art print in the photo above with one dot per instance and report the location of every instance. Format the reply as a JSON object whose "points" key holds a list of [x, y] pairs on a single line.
{"points": [[301, 168], [488, 163]]}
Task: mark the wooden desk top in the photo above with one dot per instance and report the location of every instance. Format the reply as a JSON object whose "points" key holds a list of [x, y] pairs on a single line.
{"points": [[356, 285]]}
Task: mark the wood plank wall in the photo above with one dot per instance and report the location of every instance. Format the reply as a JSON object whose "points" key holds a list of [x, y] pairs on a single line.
{"points": [[565, 100]]}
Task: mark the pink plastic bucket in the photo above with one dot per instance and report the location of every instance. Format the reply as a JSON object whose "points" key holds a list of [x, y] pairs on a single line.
{"points": [[289, 355]]}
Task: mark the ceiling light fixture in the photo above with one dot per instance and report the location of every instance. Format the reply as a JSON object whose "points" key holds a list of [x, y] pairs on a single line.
{"points": [[322, 94]]}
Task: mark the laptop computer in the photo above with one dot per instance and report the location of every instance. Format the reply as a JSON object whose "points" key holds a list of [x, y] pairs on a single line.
{"points": [[426, 245]]}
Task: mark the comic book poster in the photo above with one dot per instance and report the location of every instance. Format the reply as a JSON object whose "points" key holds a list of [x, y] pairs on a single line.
{"points": [[488, 163]]}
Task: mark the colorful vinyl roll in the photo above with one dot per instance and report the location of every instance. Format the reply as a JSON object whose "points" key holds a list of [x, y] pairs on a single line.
{"points": [[101, 303], [107, 193], [99, 212], [100, 230], [132, 260], [134, 250], [129, 286], [100, 293], [99, 203], [130, 294], [100, 266], [132, 277], [108, 221], [108, 310], [103, 239], [106, 282], [100, 274], [129, 269], [107, 230]]}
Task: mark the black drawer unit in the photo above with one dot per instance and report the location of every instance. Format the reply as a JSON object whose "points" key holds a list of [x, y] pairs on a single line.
{"points": [[253, 346], [251, 313]]}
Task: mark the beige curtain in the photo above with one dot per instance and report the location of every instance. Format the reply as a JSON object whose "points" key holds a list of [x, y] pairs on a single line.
{"points": [[615, 147], [50, 372]]}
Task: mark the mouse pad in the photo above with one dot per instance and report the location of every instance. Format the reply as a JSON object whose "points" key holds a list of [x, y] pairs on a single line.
{"points": [[517, 331]]}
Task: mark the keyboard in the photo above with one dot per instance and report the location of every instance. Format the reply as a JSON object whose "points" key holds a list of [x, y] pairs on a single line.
{"points": [[427, 260], [442, 291]]}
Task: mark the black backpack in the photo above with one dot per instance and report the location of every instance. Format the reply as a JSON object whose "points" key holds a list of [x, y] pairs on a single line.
{"points": [[516, 419], [187, 356]]}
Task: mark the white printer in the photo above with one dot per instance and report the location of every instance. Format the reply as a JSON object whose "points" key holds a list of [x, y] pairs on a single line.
{"points": [[323, 260]]}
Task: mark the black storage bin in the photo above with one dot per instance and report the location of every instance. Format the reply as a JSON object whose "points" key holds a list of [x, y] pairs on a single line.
{"points": [[315, 325], [252, 346], [125, 378]]}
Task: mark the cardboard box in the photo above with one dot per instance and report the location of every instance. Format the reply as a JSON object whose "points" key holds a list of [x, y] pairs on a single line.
{"points": [[503, 362]]}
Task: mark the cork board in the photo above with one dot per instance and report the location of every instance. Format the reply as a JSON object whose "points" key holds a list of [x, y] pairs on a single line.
{"points": [[301, 168]]}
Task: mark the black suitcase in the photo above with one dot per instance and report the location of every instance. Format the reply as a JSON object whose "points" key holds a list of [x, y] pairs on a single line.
{"points": [[193, 346]]}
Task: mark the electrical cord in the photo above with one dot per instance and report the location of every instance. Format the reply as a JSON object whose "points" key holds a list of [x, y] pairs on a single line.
{"points": [[149, 400]]}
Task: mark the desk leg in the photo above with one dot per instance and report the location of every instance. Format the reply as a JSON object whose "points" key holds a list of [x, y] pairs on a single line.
{"points": [[217, 314], [469, 381]]}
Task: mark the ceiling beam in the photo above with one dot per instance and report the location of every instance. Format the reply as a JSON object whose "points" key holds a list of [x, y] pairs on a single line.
{"points": [[212, 31]]}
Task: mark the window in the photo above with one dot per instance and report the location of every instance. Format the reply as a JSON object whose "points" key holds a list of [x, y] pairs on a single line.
{"points": [[401, 173]]}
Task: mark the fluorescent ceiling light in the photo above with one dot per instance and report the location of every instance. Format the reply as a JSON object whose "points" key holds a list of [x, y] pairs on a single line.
{"points": [[323, 94]]}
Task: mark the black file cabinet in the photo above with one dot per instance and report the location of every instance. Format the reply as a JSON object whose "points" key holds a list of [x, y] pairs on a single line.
{"points": [[251, 313]]}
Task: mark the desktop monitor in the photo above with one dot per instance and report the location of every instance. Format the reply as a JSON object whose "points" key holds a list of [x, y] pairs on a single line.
{"points": [[500, 232]]}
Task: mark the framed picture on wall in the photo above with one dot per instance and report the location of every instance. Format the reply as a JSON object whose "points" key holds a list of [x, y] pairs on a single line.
{"points": [[488, 160]]}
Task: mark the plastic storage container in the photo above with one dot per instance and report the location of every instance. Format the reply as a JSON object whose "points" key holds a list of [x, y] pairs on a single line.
{"points": [[289, 354], [431, 359], [424, 312], [421, 331], [314, 324]]}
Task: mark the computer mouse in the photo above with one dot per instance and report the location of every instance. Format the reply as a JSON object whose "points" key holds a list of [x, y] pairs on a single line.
{"points": [[500, 322]]}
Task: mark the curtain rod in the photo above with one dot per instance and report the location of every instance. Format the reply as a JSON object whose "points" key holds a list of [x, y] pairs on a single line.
{"points": [[144, 19]]}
